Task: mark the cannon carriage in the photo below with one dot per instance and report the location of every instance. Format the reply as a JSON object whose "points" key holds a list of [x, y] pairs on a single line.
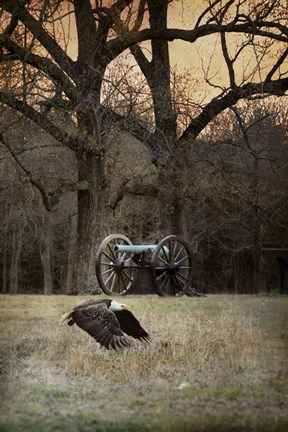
{"points": [[169, 263]]}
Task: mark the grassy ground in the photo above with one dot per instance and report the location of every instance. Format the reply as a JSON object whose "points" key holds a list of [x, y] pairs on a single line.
{"points": [[215, 364]]}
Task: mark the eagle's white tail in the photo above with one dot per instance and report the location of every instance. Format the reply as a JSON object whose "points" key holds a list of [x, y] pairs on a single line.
{"points": [[65, 318]]}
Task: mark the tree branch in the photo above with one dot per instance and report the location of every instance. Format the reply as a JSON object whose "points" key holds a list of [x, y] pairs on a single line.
{"points": [[132, 187], [43, 64], [208, 9], [216, 106], [11, 26], [119, 44], [228, 61], [49, 199], [41, 120], [142, 62], [140, 15], [38, 185], [19, 12], [86, 30], [133, 127], [277, 65]]}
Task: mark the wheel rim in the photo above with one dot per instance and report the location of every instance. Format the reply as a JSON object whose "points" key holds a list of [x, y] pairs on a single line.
{"points": [[172, 266], [112, 270]]}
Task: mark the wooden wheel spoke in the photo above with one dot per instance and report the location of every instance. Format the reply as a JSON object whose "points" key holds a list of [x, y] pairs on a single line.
{"points": [[120, 283], [179, 282], [108, 256], [111, 272], [184, 268], [122, 278], [178, 253], [174, 249], [161, 275], [112, 251], [114, 283], [162, 260], [106, 263], [182, 259], [108, 279], [122, 257], [163, 283], [172, 263], [172, 284], [107, 271], [127, 276], [182, 276], [165, 254]]}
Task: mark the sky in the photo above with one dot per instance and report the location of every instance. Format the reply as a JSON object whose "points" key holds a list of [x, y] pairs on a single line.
{"points": [[203, 56], [183, 55], [204, 53]]}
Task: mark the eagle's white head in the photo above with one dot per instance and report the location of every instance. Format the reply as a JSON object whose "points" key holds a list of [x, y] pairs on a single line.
{"points": [[117, 307]]}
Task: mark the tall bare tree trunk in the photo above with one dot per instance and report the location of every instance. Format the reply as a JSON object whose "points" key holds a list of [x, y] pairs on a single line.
{"points": [[69, 287], [91, 220], [4, 264], [46, 252], [5, 256], [171, 210], [17, 238], [256, 227]]}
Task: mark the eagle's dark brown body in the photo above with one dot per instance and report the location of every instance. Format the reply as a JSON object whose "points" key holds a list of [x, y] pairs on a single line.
{"points": [[106, 321]]}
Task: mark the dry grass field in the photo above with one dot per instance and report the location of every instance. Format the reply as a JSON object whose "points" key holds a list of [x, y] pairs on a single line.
{"points": [[215, 364]]}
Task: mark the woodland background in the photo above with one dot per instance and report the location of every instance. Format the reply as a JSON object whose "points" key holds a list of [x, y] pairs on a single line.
{"points": [[92, 145]]}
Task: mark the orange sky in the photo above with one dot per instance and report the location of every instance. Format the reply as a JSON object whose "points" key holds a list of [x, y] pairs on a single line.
{"points": [[204, 54], [193, 57]]}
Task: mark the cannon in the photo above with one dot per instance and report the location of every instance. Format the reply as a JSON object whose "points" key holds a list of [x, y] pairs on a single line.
{"points": [[169, 262]]}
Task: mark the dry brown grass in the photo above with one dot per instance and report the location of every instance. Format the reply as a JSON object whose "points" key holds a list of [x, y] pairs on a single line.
{"points": [[215, 363]]}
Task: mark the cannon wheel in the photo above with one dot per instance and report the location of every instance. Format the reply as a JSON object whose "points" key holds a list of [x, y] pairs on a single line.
{"points": [[171, 264], [113, 277]]}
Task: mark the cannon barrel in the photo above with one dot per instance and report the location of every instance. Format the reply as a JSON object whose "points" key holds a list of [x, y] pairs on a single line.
{"points": [[136, 249]]}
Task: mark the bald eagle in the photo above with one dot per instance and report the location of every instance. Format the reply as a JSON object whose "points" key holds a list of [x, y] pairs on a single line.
{"points": [[106, 321]]}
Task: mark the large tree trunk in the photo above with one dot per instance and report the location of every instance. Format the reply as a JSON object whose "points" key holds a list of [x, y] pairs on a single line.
{"points": [[17, 235], [171, 215], [178, 220], [71, 256], [91, 222], [256, 228], [46, 251], [172, 204], [5, 248], [4, 264]]}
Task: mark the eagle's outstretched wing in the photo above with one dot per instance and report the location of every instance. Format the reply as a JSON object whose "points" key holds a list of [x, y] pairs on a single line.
{"points": [[131, 326], [100, 323]]}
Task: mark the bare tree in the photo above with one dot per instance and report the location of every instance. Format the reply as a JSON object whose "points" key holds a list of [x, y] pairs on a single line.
{"points": [[47, 82], [28, 231], [239, 195]]}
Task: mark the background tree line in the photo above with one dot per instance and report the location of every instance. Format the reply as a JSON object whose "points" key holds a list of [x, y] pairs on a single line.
{"points": [[120, 141]]}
